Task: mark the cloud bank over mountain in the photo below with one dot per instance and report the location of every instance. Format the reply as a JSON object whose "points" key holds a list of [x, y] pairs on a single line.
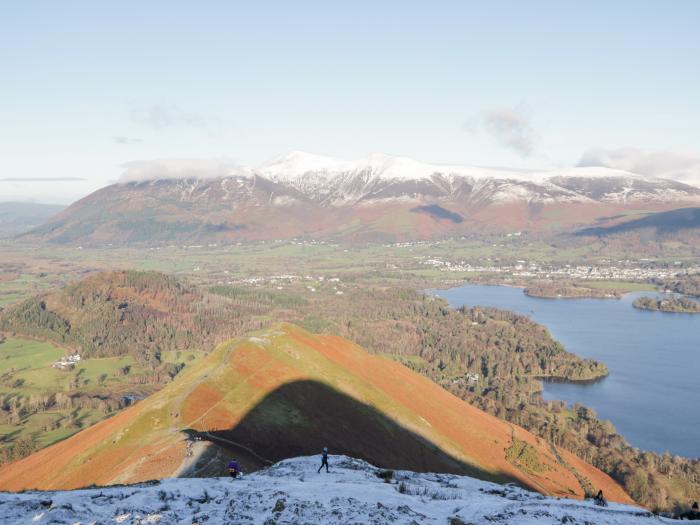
{"points": [[679, 166], [147, 170]]}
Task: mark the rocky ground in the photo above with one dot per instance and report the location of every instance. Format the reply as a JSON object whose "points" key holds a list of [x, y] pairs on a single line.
{"points": [[292, 492]]}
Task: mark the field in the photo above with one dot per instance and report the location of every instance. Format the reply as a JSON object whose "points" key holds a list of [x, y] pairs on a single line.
{"points": [[26, 372], [623, 286], [28, 270]]}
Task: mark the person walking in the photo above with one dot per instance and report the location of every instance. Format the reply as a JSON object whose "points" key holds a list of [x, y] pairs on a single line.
{"points": [[693, 514], [600, 499], [324, 460]]}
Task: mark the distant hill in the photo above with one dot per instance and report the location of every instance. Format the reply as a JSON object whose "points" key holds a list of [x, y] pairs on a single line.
{"points": [[145, 313], [379, 198], [20, 217], [127, 312], [663, 223], [285, 392]]}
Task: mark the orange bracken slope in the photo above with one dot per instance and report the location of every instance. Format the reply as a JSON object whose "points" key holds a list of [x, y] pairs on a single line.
{"points": [[285, 392]]}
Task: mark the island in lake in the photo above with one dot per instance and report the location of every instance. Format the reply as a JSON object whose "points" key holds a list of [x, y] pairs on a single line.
{"points": [[569, 290], [671, 305]]}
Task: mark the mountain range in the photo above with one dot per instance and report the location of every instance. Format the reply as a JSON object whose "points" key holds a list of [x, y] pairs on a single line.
{"points": [[19, 217], [377, 198]]}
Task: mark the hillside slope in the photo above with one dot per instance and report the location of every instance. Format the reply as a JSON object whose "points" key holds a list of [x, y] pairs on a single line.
{"points": [[285, 392], [19, 217], [292, 492], [651, 233], [127, 312], [662, 223]]}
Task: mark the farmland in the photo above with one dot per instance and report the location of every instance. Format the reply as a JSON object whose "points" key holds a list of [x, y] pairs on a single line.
{"points": [[36, 395]]}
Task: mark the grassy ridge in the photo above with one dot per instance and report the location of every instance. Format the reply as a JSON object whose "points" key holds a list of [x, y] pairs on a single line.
{"points": [[283, 392]]}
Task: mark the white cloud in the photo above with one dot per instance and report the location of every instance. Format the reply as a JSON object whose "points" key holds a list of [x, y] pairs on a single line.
{"points": [[675, 165], [161, 116], [510, 127], [119, 139], [145, 170], [41, 179]]}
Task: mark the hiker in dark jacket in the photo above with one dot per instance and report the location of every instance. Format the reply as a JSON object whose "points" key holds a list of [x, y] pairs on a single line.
{"points": [[600, 500], [324, 460], [692, 514]]}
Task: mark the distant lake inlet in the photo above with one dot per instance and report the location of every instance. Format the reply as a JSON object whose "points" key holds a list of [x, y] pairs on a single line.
{"points": [[652, 394]]}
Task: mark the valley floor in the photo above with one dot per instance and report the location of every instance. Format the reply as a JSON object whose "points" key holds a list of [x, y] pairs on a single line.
{"points": [[293, 492]]}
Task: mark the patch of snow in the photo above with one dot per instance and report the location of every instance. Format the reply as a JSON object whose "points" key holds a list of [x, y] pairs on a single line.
{"points": [[292, 491], [386, 167], [283, 200], [297, 163]]}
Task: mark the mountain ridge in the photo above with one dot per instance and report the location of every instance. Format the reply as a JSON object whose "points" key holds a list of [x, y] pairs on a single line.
{"points": [[303, 195], [267, 392], [19, 217]]}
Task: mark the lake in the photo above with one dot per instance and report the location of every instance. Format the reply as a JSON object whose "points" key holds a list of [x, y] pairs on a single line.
{"points": [[652, 394]]}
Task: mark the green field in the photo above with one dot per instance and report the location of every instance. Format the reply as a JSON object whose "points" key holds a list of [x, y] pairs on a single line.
{"points": [[26, 372], [29, 270], [25, 354], [624, 286], [30, 361]]}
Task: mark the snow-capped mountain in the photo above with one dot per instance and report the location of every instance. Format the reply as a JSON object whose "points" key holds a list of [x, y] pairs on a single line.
{"points": [[292, 491], [379, 197], [380, 177]]}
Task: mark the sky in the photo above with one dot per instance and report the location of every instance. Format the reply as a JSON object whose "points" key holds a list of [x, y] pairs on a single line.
{"points": [[87, 87]]}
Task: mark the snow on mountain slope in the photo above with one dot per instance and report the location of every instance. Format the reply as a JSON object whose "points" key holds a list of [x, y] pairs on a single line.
{"points": [[390, 167], [381, 176], [378, 165], [293, 492], [297, 163]]}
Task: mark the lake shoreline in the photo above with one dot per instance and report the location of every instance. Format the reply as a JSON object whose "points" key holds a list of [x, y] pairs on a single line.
{"points": [[650, 357]]}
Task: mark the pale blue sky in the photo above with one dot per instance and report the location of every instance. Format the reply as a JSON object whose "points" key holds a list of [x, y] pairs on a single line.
{"points": [[86, 87]]}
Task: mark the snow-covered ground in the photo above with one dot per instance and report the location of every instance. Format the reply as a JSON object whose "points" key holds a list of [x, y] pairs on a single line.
{"points": [[293, 492]]}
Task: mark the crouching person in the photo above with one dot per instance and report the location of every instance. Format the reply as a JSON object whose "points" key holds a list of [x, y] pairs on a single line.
{"points": [[233, 469]]}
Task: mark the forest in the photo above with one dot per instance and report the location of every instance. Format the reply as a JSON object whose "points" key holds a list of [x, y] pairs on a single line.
{"points": [[569, 289], [683, 284]]}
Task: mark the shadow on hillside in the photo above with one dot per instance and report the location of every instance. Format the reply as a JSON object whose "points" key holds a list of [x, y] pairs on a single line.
{"points": [[672, 221], [300, 418]]}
